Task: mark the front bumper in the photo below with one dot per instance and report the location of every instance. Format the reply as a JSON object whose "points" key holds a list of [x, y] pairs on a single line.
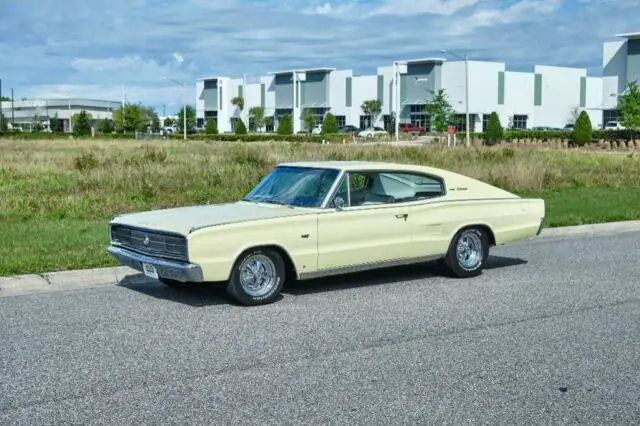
{"points": [[168, 269]]}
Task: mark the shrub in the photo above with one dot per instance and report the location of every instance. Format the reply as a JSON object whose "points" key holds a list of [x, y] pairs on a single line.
{"points": [[86, 161], [82, 125], [211, 128], [285, 125], [582, 132], [329, 125], [241, 129], [494, 132]]}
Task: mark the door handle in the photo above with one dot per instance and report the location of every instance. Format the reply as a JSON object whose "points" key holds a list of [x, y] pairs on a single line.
{"points": [[402, 216]]}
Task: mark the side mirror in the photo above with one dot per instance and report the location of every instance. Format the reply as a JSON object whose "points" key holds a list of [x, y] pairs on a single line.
{"points": [[338, 202]]}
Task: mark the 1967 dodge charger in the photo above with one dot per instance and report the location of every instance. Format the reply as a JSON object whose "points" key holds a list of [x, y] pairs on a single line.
{"points": [[311, 219]]}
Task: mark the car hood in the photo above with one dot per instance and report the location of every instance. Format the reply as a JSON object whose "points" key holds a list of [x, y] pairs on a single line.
{"points": [[182, 219]]}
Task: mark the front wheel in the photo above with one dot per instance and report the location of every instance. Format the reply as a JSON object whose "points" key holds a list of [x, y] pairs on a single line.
{"points": [[257, 278], [467, 253]]}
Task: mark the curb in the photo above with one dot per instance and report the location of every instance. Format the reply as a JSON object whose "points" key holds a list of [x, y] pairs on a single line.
{"points": [[87, 278]]}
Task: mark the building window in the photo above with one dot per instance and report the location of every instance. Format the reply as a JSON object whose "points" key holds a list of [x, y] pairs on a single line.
{"points": [[269, 127], [200, 122], [365, 121], [388, 125], [341, 120], [416, 109], [461, 122], [520, 122], [485, 122], [609, 115]]}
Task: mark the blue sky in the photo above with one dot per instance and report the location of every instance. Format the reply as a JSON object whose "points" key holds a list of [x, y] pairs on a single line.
{"points": [[91, 49]]}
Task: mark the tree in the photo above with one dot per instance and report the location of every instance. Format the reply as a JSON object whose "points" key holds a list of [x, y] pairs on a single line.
{"points": [[136, 118], [81, 123], [440, 111], [309, 119], [329, 125], [285, 126], [256, 118], [55, 124], [238, 101], [106, 126], [372, 108], [155, 124], [191, 118], [494, 132], [629, 106], [5, 99], [241, 129], [36, 123], [168, 122], [582, 132], [211, 127]]}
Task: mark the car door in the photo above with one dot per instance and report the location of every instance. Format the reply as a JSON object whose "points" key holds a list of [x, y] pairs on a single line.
{"points": [[367, 229]]}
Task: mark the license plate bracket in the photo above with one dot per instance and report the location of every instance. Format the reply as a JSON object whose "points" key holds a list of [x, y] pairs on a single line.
{"points": [[150, 271]]}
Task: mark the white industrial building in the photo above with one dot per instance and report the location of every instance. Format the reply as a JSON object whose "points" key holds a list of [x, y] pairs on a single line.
{"points": [[548, 96], [24, 113]]}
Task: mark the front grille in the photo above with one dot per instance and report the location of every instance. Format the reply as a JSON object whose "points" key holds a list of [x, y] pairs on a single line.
{"points": [[151, 243]]}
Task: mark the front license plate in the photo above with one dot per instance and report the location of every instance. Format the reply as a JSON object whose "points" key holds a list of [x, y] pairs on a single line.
{"points": [[150, 271]]}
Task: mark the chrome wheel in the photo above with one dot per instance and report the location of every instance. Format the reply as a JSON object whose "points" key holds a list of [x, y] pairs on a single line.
{"points": [[258, 275], [469, 250]]}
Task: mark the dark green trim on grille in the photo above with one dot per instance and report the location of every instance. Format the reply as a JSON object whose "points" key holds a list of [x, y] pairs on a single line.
{"points": [[583, 92], [240, 91], [263, 95], [349, 92], [381, 88]]}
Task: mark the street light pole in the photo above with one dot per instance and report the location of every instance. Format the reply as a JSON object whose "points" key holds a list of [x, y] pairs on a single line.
{"points": [[466, 94], [184, 105]]}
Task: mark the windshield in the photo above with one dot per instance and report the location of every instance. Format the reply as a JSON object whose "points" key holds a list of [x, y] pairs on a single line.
{"points": [[294, 186]]}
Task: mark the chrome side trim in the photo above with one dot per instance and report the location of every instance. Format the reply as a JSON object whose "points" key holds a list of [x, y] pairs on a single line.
{"points": [[179, 271], [369, 266]]}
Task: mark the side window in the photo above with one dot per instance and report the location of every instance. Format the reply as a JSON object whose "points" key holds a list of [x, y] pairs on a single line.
{"points": [[405, 187]]}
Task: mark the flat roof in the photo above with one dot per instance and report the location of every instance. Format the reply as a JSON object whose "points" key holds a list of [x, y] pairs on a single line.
{"points": [[629, 35], [360, 165], [328, 69], [210, 78], [421, 60]]}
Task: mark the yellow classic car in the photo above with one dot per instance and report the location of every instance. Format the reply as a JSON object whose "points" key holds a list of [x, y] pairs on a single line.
{"points": [[313, 219]]}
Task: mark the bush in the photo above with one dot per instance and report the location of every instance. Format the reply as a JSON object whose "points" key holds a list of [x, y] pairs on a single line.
{"points": [[582, 133], [82, 125], [211, 128], [241, 129], [329, 125], [494, 132], [285, 125]]}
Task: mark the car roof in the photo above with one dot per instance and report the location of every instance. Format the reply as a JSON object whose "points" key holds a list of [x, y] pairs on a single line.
{"points": [[365, 165]]}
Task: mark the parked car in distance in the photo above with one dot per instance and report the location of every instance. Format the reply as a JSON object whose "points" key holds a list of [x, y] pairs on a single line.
{"points": [[372, 132], [348, 129], [614, 125], [313, 219], [410, 128]]}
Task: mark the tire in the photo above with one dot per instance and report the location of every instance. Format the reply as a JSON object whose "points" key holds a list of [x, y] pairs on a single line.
{"points": [[250, 290], [474, 246]]}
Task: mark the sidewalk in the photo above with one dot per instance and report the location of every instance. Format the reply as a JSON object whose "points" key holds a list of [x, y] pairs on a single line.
{"points": [[87, 278]]}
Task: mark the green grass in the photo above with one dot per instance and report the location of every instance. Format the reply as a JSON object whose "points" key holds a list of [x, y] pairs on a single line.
{"points": [[56, 197]]}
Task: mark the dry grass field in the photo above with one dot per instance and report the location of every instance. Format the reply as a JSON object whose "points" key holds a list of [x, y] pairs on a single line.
{"points": [[56, 197]]}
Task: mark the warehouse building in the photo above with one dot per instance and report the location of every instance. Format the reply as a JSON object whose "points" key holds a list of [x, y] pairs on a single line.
{"points": [[546, 96], [23, 114]]}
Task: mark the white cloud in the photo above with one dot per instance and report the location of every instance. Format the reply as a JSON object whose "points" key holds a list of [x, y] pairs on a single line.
{"points": [[45, 51]]}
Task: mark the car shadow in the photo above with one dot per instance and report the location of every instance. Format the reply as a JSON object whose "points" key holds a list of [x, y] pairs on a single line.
{"points": [[211, 294], [196, 295], [389, 275]]}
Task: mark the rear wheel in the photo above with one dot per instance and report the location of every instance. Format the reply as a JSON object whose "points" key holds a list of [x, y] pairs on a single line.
{"points": [[467, 253], [257, 277]]}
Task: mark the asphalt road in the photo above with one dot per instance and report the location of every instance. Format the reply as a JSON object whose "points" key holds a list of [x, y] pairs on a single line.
{"points": [[549, 333]]}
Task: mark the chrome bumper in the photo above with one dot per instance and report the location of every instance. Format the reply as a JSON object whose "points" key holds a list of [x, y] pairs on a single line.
{"points": [[169, 269]]}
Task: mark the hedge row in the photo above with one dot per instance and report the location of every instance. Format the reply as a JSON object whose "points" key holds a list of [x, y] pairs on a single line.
{"points": [[606, 135], [54, 135]]}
